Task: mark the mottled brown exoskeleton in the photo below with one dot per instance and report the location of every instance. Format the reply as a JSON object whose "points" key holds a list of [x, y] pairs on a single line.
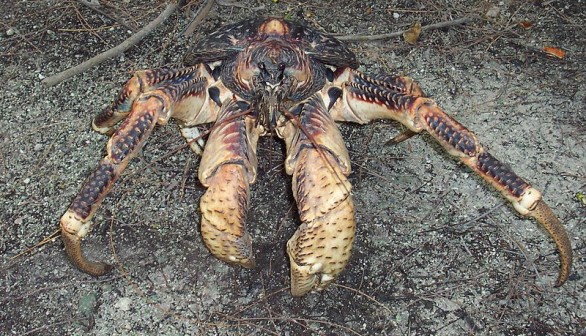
{"points": [[272, 76]]}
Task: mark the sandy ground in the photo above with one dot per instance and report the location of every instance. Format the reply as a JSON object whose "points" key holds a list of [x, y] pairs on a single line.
{"points": [[437, 252]]}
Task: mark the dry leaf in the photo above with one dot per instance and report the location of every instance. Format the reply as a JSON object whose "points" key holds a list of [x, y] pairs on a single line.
{"points": [[413, 33], [526, 24], [553, 51]]}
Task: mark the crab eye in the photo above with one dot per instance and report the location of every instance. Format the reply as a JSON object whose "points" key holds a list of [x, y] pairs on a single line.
{"points": [[298, 33], [250, 35], [282, 66], [261, 65]]}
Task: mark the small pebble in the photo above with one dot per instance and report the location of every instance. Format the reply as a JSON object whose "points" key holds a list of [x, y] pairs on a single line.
{"points": [[87, 304], [123, 304], [493, 12]]}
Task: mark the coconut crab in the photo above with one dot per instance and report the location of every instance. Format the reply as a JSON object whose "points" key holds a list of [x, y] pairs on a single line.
{"points": [[272, 76]]}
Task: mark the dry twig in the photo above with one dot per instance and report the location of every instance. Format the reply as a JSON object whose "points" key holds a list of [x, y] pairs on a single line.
{"points": [[203, 12], [122, 47], [238, 5], [400, 33], [96, 7]]}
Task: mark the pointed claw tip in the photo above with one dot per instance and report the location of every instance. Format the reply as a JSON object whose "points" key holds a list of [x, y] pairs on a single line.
{"points": [[566, 266], [543, 214], [248, 263], [298, 293], [73, 250], [302, 280], [301, 289]]}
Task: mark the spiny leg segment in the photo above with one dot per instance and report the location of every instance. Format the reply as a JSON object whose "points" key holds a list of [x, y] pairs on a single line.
{"points": [[150, 97], [365, 99]]}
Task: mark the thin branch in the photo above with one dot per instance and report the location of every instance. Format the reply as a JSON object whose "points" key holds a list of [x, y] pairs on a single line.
{"points": [[35, 331], [18, 34], [95, 6], [238, 5], [199, 17], [400, 33], [119, 49]]}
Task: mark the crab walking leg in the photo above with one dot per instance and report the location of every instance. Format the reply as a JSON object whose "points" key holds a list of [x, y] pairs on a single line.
{"points": [[147, 80], [362, 102], [146, 111], [321, 247], [389, 84], [124, 144], [228, 167]]}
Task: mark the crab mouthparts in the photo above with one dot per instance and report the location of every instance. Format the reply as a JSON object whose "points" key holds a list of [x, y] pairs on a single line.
{"points": [[272, 76], [270, 108]]}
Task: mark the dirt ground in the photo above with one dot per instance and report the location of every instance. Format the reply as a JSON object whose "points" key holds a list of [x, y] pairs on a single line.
{"points": [[437, 252]]}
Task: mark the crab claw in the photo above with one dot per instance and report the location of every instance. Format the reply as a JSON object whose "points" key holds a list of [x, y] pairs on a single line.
{"points": [[321, 247], [228, 167], [319, 164], [72, 230], [224, 207]]}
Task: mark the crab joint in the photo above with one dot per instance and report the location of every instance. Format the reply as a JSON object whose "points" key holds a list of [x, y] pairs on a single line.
{"points": [[72, 230]]}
